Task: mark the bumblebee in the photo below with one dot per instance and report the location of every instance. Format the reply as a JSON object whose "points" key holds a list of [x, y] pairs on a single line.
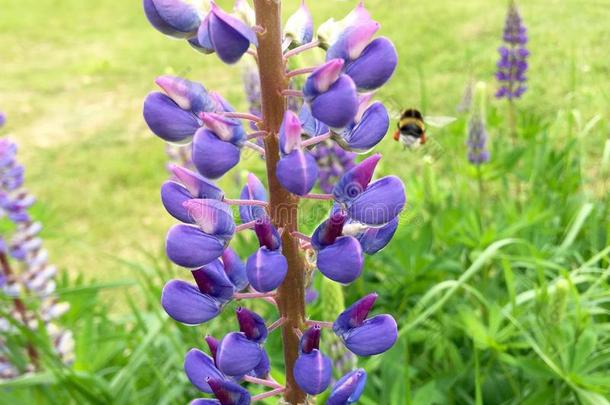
{"points": [[412, 127]]}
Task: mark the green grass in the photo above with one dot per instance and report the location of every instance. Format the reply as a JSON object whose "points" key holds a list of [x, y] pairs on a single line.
{"points": [[511, 312]]}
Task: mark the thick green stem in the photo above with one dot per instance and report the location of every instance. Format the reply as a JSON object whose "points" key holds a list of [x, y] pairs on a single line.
{"points": [[283, 206]]}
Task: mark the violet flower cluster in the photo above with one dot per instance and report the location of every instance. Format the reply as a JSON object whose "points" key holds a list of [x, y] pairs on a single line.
{"points": [[337, 110], [512, 64], [25, 271]]}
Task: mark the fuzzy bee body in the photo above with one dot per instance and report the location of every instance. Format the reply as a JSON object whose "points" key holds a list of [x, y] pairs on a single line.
{"points": [[411, 130]]}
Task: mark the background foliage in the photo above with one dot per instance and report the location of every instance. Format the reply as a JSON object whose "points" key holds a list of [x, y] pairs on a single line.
{"points": [[513, 311]]}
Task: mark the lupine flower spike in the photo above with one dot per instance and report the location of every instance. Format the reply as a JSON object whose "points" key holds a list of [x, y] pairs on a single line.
{"points": [[512, 64], [311, 136]]}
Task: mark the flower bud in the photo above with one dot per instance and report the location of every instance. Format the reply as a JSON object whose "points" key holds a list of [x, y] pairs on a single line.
{"points": [[197, 185], [189, 247], [299, 26], [266, 269], [352, 41], [380, 203], [290, 133], [229, 36], [312, 372], [328, 231], [176, 18], [167, 120], [189, 96], [355, 181], [226, 129], [253, 190], [187, 304], [251, 325], [267, 234], [297, 172], [213, 281], [348, 389], [228, 392], [211, 156], [310, 340], [173, 197], [199, 367], [375, 65], [235, 269], [362, 135], [212, 343], [212, 216], [342, 261], [237, 355]]}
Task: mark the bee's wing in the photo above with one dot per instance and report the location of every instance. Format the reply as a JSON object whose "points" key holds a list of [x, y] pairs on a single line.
{"points": [[393, 106], [439, 122]]}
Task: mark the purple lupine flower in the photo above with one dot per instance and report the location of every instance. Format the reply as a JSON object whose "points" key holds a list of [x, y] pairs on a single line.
{"points": [[331, 95], [297, 170], [512, 64], [370, 125], [362, 336], [477, 140], [299, 27], [25, 270], [312, 370], [348, 389], [176, 18], [253, 190], [2, 119], [267, 267]]}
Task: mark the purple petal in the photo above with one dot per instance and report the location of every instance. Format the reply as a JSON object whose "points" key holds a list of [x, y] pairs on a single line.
{"points": [[185, 303], [328, 231], [297, 172], [237, 355], [338, 106], [190, 96], [204, 401], [197, 185], [380, 203], [235, 269], [356, 180], [212, 343], [253, 190], [310, 340], [342, 261], [168, 121], [375, 239], [211, 156], [252, 325], [375, 66], [213, 281], [263, 368], [375, 336], [352, 41], [348, 389], [212, 216], [266, 269], [368, 132], [173, 196], [290, 132], [311, 126], [202, 41], [229, 393], [229, 36], [176, 18], [199, 367], [189, 247], [312, 372], [322, 78], [354, 315], [226, 129], [267, 234], [299, 26]]}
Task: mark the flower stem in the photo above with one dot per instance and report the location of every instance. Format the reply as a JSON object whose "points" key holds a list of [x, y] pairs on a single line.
{"points": [[276, 324], [268, 394], [255, 147], [260, 381], [257, 203], [243, 227], [241, 116], [321, 324], [257, 134], [283, 206], [292, 93], [319, 196], [245, 296], [301, 71], [302, 48], [315, 140]]}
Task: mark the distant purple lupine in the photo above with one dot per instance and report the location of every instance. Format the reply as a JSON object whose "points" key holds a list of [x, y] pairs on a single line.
{"points": [[477, 141], [512, 64], [25, 268], [332, 161]]}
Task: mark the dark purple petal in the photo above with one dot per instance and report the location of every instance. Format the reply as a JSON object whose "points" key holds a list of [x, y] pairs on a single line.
{"points": [[212, 216], [229, 393], [374, 336], [252, 325], [253, 190], [235, 269], [213, 281], [338, 106], [229, 36], [199, 367], [267, 234], [328, 231], [380, 203], [312, 372], [211, 156], [263, 368], [375, 239], [266, 269], [189, 247], [173, 196], [197, 185], [310, 340], [237, 355], [190, 96], [167, 120], [342, 261], [212, 343], [185, 303], [176, 18], [297, 172], [368, 132], [348, 389], [374, 66], [355, 315], [356, 180], [311, 126]]}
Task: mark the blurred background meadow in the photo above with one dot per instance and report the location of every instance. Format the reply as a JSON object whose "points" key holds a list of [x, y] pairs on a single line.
{"points": [[501, 292]]}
